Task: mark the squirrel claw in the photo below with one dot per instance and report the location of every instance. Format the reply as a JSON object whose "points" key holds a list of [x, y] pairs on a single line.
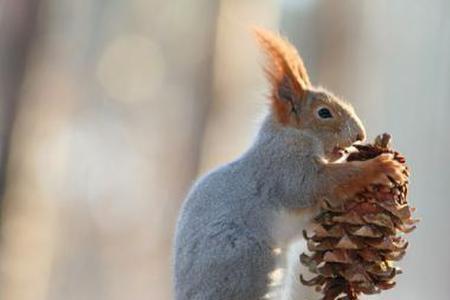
{"points": [[386, 170]]}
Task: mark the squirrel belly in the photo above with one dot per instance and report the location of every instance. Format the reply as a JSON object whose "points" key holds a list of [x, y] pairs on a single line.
{"points": [[237, 220]]}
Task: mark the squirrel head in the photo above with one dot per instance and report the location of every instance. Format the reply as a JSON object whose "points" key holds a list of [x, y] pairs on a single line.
{"points": [[296, 103]]}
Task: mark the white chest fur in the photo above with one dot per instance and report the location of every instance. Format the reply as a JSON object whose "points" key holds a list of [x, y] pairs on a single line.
{"points": [[288, 225], [286, 231]]}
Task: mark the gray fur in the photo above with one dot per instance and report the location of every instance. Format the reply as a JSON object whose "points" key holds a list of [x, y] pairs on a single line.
{"points": [[223, 243], [236, 216]]}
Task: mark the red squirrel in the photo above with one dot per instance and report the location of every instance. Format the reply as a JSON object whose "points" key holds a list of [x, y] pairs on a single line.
{"points": [[238, 220]]}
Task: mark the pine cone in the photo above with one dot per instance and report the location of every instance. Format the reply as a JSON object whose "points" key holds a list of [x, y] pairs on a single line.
{"points": [[355, 244]]}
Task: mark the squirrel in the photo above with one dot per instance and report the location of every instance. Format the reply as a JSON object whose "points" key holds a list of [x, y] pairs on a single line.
{"points": [[238, 220]]}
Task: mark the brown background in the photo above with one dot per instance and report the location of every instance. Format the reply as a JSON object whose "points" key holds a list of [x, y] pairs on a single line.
{"points": [[110, 109]]}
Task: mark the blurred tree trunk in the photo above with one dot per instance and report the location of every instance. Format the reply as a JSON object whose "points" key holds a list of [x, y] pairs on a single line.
{"points": [[17, 28], [238, 83]]}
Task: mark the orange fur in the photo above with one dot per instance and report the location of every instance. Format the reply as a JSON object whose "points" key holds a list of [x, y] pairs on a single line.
{"points": [[284, 62], [281, 110], [355, 176]]}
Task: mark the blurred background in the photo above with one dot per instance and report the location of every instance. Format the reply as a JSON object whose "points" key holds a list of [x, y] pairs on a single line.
{"points": [[110, 109]]}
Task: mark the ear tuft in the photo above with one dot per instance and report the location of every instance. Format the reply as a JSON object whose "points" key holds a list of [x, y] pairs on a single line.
{"points": [[285, 69], [284, 58]]}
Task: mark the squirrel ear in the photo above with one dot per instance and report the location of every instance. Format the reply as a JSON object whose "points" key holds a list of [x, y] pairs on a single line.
{"points": [[285, 71]]}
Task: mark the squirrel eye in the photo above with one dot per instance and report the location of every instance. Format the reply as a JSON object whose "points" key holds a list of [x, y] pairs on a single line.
{"points": [[324, 113]]}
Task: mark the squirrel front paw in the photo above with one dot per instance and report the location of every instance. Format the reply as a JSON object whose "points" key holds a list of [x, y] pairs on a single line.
{"points": [[350, 178], [354, 177], [384, 169]]}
